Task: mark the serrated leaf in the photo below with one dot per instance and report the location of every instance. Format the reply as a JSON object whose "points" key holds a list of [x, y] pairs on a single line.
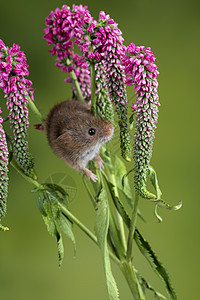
{"points": [[118, 169], [156, 265], [57, 188], [101, 229], [66, 226], [54, 219], [117, 202], [146, 285], [49, 218], [39, 201]]}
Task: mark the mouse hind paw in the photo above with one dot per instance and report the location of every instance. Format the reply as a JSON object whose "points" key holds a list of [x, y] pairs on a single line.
{"points": [[90, 175]]}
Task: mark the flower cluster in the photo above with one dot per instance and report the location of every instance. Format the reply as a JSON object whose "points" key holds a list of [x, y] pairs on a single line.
{"points": [[141, 72], [104, 105], [3, 169], [17, 89], [64, 27]]}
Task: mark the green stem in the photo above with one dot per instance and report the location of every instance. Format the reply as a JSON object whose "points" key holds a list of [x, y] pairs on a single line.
{"points": [[93, 88], [114, 193], [131, 278], [75, 82], [132, 228], [113, 231], [35, 110], [21, 172], [115, 237]]}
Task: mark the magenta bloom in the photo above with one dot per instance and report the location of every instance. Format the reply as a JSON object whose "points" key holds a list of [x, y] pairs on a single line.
{"points": [[3, 169], [141, 72], [13, 69], [64, 28]]}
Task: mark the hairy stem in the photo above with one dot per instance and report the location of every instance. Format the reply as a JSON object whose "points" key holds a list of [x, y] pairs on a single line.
{"points": [[129, 274], [93, 88], [21, 172], [132, 228], [114, 192], [35, 110], [75, 82]]}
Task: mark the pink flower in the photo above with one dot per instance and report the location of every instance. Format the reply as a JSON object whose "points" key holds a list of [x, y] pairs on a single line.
{"points": [[13, 69], [141, 72], [64, 28]]}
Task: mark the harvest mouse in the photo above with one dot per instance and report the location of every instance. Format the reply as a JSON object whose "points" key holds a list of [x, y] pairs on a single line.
{"points": [[76, 135]]}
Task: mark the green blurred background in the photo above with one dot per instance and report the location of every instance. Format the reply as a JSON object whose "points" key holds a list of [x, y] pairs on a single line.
{"points": [[28, 255]]}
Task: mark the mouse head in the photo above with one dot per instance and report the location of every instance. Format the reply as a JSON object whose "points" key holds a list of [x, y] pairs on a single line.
{"points": [[83, 131]]}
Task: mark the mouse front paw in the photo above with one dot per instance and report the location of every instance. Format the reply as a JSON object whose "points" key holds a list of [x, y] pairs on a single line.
{"points": [[90, 175], [99, 161]]}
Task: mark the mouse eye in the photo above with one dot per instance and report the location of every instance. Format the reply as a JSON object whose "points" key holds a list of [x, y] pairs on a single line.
{"points": [[91, 131]]}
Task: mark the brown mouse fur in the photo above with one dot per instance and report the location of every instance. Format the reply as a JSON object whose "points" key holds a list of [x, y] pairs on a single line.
{"points": [[67, 127]]}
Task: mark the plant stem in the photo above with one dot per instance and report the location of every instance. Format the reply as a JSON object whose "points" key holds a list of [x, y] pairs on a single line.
{"points": [[114, 233], [115, 193], [129, 274], [132, 228], [93, 88], [35, 110], [21, 172], [75, 82]]}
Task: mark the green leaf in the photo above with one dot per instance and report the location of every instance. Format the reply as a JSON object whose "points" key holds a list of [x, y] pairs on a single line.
{"points": [[101, 229], [147, 286], [158, 201], [60, 248], [55, 220], [66, 226], [117, 202], [154, 181], [85, 182], [120, 171], [50, 219], [57, 188], [39, 201], [156, 265]]}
